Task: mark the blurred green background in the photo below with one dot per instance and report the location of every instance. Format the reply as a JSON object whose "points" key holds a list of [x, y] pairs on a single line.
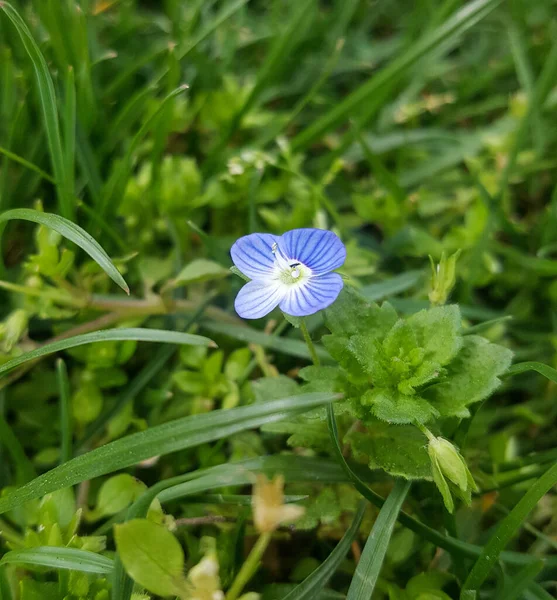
{"points": [[167, 129]]}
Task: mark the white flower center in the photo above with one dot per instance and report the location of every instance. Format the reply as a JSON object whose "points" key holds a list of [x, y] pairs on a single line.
{"points": [[289, 271]]}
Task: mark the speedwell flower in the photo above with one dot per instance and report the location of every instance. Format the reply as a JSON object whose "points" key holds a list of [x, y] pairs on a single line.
{"points": [[292, 271]]}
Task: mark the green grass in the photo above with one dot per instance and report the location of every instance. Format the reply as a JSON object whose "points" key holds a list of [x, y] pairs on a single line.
{"points": [[137, 137]]}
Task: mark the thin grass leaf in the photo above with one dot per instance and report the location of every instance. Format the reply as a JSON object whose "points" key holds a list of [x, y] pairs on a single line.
{"points": [[24, 467], [377, 85], [72, 232], [523, 367], [519, 582], [315, 582], [537, 98], [47, 96], [252, 336], [536, 592], [54, 557], [163, 439], [121, 334], [371, 561], [65, 411], [26, 164], [5, 591], [69, 129], [506, 531]]}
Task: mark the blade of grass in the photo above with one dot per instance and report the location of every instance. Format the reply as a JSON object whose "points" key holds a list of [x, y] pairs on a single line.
{"points": [[506, 531], [393, 285], [72, 232], [65, 411], [158, 441], [5, 591], [134, 333], [371, 561], [517, 584], [318, 579], [253, 336], [26, 164], [47, 96], [523, 367], [537, 98], [24, 467], [457, 24], [54, 557], [69, 129]]}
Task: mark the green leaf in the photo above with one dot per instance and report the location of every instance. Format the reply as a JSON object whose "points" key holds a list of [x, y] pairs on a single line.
{"points": [[199, 270], [271, 388], [371, 561], [117, 493], [392, 286], [507, 529], [471, 377], [394, 407], [351, 314], [48, 102], [120, 334], [313, 584], [398, 449], [163, 439], [437, 331], [59, 558], [151, 556], [72, 232]]}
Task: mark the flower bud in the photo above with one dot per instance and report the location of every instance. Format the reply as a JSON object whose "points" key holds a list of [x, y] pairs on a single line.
{"points": [[443, 278], [13, 328], [450, 461]]}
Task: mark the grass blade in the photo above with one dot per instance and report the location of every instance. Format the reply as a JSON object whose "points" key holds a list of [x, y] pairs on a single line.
{"points": [[517, 584], [48, 102], [55, 557], [545, 370], [163, 439], [506, 531], [72, 232], [135, 333], [369, 567], [315, 582], [65, 411], [465, 18], [24, 467], [253, 336], [25, 163]]}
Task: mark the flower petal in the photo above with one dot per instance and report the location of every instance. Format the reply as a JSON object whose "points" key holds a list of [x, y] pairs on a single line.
{"points": [[258, 298], [253, 255], [311, 296], [319, 249]]}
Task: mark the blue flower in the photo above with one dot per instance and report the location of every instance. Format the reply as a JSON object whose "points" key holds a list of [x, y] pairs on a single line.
{"points": [[292, 271]]}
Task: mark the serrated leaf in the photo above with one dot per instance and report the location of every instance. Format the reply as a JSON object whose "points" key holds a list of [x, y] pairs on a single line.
{"points": [[471, 377], [151, 556], [437, 332], [352, 314], [401, 450], [392, 406]]}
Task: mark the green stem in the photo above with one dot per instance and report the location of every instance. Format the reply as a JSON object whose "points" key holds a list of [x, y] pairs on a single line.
{"points": [[309, 343], [425, 431], [249, 567]]}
